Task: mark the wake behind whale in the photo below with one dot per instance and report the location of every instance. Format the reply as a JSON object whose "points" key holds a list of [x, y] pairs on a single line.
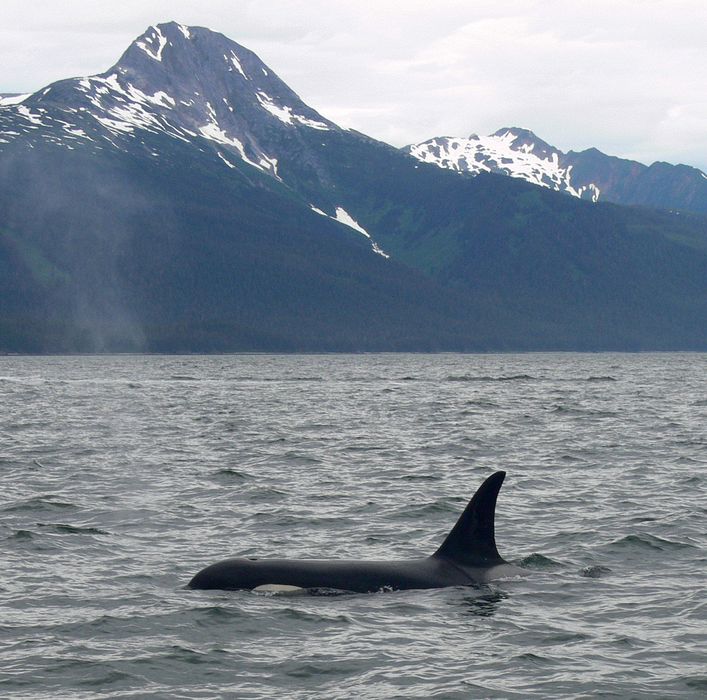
{"points": [[467, 556]]}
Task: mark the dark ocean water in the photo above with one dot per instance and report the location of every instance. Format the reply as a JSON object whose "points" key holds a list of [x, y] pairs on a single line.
{"points": [[123, 476]]}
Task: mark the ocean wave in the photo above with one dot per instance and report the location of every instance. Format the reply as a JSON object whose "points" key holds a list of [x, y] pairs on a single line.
{"points": [[574, 411], [646, 541], [65, 529], [539, 561], [488, 378], [231, 475], [47, 502]]}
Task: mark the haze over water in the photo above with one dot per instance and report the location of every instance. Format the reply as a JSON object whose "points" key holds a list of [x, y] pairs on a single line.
{"points": [[123, 476]]}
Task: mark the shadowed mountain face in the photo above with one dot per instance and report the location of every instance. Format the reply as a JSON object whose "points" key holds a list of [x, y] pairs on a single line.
{"points": [[188, 200], [589, 174]]}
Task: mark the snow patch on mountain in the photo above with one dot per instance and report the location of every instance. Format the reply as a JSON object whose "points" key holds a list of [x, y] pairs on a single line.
{"points": [[286, 114], [343, 217], [235, 62], [225, 160], [80, 133], [214, 132], [26, 112], [270, 164], [6, 100], [148, 45], [114, 124], [123, 107]]}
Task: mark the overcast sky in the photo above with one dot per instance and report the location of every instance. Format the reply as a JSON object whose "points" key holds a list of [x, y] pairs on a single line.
{"points": [[626, 76]]}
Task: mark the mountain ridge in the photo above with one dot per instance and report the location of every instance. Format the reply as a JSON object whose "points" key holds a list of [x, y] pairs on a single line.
{"points": [[518, 152], [188, 200], [588, 174]]}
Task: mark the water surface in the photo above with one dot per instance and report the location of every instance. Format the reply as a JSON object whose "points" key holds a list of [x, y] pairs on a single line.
{"points": [[122, 476]]}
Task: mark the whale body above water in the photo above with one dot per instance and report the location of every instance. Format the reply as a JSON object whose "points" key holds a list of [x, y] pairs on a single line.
{"points": [[467, 556]]}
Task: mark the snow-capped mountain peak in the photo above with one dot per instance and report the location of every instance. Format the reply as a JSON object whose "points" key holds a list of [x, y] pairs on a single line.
{"points": [[526, 141], [509, 151], [185, 86], [188, 83], [588, 174]]}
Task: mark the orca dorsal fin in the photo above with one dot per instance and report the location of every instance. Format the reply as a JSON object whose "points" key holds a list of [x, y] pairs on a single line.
{"points": [[472, 541]]}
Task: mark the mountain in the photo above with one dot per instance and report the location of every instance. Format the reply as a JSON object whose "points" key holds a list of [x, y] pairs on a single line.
{"points": [[589, 174], [192, 85], [188, 200], [145, 208]]}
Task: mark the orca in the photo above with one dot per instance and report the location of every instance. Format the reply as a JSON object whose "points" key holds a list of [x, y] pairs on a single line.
{"points": [[468, 556]]}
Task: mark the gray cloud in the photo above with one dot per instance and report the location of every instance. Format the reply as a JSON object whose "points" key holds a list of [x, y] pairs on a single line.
{"points": [[627, 77]]}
